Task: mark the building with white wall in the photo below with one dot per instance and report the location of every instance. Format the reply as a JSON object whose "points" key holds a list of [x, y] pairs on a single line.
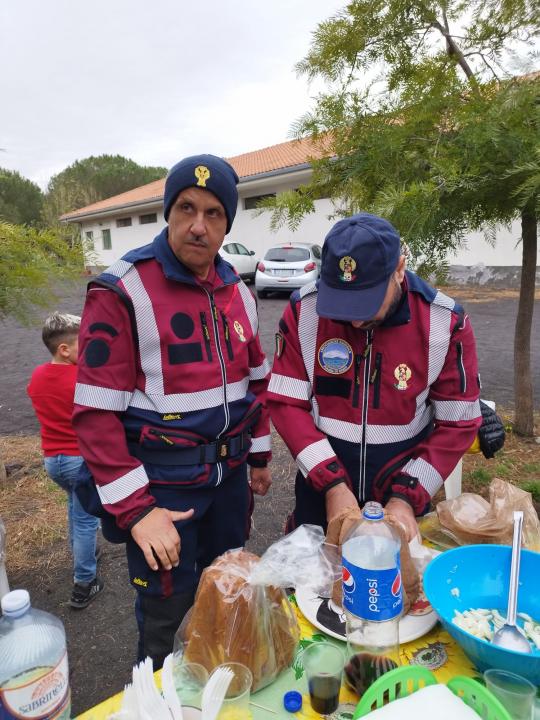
{"points": [[117, 224]]}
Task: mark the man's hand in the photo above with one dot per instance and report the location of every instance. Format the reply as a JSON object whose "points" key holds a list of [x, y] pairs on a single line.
{"points": [[157, 537], [337, 499], [260, 480], [404, 514]]}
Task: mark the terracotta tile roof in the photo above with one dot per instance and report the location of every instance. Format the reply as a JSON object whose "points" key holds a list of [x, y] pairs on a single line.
{"points": [[277, 157]]}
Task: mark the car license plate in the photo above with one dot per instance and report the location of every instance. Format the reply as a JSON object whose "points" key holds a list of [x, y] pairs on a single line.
{"points": [[283, 273]]}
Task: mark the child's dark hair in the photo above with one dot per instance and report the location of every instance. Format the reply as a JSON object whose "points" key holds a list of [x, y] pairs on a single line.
{"points": [[59, 328]]}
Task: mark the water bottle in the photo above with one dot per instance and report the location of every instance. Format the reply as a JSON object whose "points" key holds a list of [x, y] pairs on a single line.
{"points": [[34, 679], [372, 598]]}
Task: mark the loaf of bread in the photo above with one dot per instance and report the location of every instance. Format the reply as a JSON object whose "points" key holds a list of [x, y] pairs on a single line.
{"points": [[234, 621], [338, 529]]}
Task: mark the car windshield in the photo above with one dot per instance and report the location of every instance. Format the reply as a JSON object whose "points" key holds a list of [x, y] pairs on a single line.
{"points": [[287, 254]]}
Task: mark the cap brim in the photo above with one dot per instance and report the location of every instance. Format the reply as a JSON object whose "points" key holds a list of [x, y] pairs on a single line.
{"points": [[347, 304]]}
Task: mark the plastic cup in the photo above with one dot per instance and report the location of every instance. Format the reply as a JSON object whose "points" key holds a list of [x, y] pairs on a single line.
{"points": [[515, 692], [189, 681], [236, 703], [323, 663]]}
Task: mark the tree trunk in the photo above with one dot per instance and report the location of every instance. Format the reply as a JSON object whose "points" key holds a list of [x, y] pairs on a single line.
{"points": [[523, 388]]}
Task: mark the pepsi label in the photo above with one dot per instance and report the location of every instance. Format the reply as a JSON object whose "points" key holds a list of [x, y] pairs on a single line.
{"points": [[372, 594]]}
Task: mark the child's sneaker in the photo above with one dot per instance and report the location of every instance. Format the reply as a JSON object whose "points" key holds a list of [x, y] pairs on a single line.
{"points": [[83, 593]]}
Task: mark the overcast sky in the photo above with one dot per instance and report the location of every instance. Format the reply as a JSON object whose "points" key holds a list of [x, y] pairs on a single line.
{"points": [[153, 81]]}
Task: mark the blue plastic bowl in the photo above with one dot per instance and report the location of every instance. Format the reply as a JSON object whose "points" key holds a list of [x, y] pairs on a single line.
{"points": [[481, 575]]}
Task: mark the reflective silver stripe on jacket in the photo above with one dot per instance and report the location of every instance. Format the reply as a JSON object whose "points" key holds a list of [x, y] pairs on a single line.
{"points": [[102, 398], [313, 454], [427, 475], [188, 402], [123, 487], [261, 444], [289, 387]]}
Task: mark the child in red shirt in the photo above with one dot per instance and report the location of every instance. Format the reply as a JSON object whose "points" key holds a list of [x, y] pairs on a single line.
{"points": [[51, 390]]}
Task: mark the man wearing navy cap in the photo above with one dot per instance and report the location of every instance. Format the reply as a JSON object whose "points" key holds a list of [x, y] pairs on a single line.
{"points": [[170, 400], [374, 386]]}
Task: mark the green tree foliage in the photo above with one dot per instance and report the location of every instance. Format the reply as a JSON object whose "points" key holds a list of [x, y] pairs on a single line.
{"points": [[32, 263], [424, 124], [92, 179], [21, 200]]}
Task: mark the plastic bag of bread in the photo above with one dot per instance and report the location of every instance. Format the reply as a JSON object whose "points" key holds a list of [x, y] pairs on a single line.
{"points": [[338, 528], [235, 620], [472, 519]]}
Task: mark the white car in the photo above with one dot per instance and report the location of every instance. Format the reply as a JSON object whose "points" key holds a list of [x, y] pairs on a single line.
{"points": [[287, 267], [242, 259]]}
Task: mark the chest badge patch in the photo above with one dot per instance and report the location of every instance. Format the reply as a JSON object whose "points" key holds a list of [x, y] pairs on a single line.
{"points": [[202, 173], [347, 265], [239, 331], [402, 374], [335, 356]]}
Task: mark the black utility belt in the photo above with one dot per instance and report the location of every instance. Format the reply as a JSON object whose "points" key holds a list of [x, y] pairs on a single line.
{"points": [[215, 452]]}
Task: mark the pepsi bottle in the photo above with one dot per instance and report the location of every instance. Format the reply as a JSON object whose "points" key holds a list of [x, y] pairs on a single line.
{"points": [[372, 598]]}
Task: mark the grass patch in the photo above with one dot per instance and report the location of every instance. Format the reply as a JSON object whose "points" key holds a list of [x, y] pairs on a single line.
{"points": [[533, 488], [32, 508]]}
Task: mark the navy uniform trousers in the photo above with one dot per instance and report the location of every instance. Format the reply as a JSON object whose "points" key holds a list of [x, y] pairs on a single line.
{"points": [[221, 522]]}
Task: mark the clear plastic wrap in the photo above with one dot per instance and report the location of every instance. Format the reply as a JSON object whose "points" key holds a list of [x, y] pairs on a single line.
{"points": [[471, 519], [241, 612]]}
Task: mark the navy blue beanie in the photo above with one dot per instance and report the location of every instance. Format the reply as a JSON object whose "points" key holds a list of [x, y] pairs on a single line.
{"points": [[208, 172]]}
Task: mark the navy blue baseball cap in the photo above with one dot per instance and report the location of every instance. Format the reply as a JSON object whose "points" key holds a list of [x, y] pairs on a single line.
{"points": [[208, 172], [359, 255]]}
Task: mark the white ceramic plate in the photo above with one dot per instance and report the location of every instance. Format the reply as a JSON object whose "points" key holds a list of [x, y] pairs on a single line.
{"points": [[329, 617]]}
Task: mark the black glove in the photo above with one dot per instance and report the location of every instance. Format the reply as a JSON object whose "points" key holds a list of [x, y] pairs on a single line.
{"points": [[491, 433]]}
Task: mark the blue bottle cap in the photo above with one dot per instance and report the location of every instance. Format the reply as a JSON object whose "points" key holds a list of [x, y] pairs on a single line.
{"points": [[292, 701]]}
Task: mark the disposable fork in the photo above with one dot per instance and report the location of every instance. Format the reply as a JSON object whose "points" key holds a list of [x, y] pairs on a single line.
{"points": [[214, 692], [169, 690]]}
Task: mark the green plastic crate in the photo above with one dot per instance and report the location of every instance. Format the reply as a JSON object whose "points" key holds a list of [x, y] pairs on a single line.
{"points": [[405, 680]]}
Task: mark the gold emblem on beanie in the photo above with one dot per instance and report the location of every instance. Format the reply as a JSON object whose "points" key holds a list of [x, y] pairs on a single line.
{"points": [[402, 374], [348, 266], [202, 173]]}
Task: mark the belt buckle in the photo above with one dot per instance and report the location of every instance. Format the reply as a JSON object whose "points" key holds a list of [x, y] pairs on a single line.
{"points": [[223, 450]]}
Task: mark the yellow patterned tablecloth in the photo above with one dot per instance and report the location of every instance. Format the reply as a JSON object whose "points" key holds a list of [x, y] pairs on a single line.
{"points": [[436, 651]]}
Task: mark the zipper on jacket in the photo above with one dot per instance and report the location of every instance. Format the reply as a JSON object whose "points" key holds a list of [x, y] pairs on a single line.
{"points": [[206, 335], [227, 336], [223, 375], [375, 380], [365, 402], [461, 367], [357, 381]]}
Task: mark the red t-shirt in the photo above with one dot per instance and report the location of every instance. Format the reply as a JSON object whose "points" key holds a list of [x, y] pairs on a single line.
{"points": [[51, 390]]}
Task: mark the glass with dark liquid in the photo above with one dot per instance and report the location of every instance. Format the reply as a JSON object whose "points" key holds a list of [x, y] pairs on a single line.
{"points": [[323, 663]]}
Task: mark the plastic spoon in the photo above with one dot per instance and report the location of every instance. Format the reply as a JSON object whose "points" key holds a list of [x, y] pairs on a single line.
{"points": [[510, 636]]}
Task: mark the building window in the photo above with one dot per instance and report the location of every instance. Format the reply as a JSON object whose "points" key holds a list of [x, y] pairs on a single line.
{"points": [[123, 222], [251, 203], [147, 219], [89, 239], [106, 234]]}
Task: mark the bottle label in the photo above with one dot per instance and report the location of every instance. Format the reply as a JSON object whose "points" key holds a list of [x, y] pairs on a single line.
{"points": [[372, 594], [37, 694]]}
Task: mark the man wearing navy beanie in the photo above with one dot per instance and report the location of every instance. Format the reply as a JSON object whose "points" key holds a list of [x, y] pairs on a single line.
{"points": [[170, 402], [205, 171]]}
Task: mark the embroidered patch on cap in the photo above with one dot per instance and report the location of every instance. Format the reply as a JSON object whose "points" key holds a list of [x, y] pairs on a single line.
{"points": [[402, 374], [202, 173], [239, 331], [348, 266], [335, 356]]}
